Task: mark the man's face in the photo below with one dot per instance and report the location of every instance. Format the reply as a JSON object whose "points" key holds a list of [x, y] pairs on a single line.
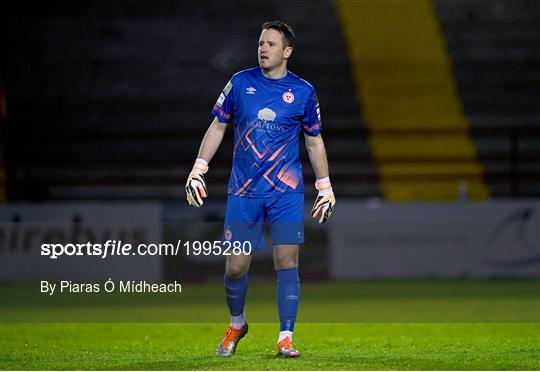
{"points": [[272, 52]]}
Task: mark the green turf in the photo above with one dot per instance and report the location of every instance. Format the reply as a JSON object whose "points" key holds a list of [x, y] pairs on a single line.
{"points": [[325, 346], [381, 325]]}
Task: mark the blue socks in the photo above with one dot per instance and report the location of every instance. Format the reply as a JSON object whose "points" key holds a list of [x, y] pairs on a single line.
{"points": [[235, 293], [288, 294]]}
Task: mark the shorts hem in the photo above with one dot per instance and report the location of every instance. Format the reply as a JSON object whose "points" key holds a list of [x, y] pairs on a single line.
{"points": [[288, 242], [264, 195]]}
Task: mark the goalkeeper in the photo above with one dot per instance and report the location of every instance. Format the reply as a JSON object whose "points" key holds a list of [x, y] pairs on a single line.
{"points": [[269, 107]]}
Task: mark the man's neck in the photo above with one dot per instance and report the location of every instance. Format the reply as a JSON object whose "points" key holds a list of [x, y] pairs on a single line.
{"points": [[276, 73]]}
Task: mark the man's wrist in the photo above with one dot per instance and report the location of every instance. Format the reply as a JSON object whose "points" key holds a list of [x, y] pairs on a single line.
{"points": [[323, 185], [200, 166]]}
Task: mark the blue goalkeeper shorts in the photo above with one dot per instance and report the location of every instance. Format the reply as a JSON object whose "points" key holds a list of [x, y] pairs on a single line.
{"points": [[245, 219]]}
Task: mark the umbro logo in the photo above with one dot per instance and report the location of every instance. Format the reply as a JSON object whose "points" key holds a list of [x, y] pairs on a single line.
{"points": [[251, 90]]}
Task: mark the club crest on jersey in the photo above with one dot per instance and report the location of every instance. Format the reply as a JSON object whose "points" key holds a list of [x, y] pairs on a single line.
{"points": [[288, 97]]}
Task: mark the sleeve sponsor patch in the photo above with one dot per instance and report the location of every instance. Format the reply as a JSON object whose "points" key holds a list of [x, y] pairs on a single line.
{"points": [[227, 88], [317, 106], [220, 100], [224, 94]]}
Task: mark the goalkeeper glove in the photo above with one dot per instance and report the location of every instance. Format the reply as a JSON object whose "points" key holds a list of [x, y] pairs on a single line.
{"points": [[324, 205], [196, 186]]}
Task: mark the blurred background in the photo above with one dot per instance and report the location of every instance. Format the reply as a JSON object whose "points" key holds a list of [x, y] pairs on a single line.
{"points": [[431, 120]]}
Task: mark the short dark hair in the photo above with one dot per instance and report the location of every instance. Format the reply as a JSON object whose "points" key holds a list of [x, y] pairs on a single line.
{"points": [[285, 29]]}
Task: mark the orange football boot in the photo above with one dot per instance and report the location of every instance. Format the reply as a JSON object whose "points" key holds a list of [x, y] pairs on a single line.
{"points": [[228, 345], [286, 349]]}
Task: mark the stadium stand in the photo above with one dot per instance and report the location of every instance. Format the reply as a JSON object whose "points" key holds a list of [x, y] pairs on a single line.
{"points": [[3, 120], [418, 134], [495, 52], [110, 100], [113, 104]]}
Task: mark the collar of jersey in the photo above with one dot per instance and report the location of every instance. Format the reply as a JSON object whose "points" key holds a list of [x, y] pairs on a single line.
{"points": [[274, 80]]}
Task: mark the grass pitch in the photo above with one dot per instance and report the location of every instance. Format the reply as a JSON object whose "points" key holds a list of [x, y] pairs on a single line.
{"points": [[405, 325]]}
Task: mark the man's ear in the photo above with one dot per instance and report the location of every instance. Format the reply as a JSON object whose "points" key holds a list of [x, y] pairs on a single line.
{"points": [[287, 52]]}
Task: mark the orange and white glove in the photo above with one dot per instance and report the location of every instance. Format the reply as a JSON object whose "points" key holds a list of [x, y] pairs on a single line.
{"points": [[324, 205], [196, 186]]}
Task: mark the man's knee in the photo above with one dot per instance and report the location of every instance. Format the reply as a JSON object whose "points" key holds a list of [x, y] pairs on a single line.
{"points": [[236, 268], [236, 271], [285, 258]]}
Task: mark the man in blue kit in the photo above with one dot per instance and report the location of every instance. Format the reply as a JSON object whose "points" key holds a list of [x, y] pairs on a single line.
{"points": [[269, 108]]}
